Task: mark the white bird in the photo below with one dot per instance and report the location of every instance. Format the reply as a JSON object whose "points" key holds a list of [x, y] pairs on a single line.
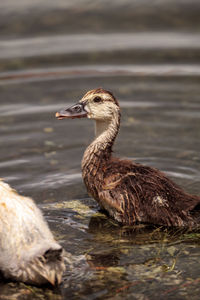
{"points": [[28, 250]]}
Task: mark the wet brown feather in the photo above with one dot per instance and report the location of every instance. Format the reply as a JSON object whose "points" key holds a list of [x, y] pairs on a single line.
{"points": [[131, 192]]}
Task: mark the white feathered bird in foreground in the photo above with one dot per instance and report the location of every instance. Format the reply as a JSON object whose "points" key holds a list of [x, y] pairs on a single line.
{"points": [[28, 250]]}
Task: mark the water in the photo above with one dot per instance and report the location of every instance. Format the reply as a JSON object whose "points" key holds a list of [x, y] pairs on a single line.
{"points": [[148, 56]]}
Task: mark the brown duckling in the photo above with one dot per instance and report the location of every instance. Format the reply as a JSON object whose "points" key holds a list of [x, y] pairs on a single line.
{"points": [[28, 250], [130, 192]]}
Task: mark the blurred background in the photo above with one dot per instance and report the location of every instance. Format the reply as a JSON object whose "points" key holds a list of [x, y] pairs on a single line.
{"points": [[45, 33], [147, 52]]}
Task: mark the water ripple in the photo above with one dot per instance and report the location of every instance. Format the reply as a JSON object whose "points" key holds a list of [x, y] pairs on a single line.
{"points": [[85, 43], [89, 71], [54, 180]]}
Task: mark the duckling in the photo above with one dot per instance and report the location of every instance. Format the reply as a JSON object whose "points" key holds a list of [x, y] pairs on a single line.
{"points": [[28, 250], [130, 192]]}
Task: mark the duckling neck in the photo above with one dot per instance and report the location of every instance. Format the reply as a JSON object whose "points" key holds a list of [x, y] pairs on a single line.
{"points": [[101, 148], [101, 127]]}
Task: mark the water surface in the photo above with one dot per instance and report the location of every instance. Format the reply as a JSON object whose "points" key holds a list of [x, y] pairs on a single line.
{"points": [[155, 75]]}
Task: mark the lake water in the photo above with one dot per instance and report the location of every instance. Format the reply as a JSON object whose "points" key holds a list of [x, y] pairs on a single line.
{"points": [[51, 53]]}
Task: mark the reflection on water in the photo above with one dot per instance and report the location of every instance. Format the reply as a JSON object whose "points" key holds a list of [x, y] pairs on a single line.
{"points": [[88, 43], [47, 74], [50, 63]]}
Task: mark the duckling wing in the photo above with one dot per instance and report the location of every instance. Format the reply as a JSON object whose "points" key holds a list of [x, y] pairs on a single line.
{"points": [[138, 193]]}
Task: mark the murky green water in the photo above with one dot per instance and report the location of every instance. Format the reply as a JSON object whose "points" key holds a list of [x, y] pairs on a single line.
{"points": [[148, 56]]}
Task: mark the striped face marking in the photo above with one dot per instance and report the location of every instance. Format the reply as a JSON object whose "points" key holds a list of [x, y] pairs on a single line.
{"points": [[100, 104]]}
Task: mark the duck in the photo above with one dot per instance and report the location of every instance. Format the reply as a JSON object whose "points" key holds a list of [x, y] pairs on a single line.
{"points": [[129, 192], [28, 250]]}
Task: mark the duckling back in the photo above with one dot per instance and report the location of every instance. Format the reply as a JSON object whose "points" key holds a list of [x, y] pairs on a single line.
{"points": [[28, 250]]}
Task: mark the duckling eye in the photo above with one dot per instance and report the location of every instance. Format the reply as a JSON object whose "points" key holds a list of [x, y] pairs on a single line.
{"points": [[97, 99]]}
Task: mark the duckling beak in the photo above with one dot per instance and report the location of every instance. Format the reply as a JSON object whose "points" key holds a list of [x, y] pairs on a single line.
{"points": [[75, 111]]}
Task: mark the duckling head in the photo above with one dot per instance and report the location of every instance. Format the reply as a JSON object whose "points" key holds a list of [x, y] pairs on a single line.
{"points": [[97, 104]]}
